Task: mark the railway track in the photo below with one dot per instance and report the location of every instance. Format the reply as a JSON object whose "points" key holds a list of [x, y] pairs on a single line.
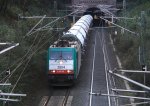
{"points": [[66, 98], [57, 100]]}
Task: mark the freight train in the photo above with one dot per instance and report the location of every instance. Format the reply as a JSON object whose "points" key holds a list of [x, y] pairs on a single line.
{"points": [[64, 56]]}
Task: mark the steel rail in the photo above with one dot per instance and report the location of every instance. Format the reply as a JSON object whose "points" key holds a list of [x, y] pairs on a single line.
{"points": [[45, 101], [106, 65], [93, 66], [66, 97]]}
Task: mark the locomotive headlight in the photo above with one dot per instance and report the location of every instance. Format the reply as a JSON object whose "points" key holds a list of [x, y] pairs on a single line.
{"points": [[61, 62], [69, 72], [53, 71]]}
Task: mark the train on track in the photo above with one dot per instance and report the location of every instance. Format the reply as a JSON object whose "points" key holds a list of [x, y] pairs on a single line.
{"points": [[64, 56]]}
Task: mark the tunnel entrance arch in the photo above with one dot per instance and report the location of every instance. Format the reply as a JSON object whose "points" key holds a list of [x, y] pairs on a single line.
{"points": [[95, 13]]}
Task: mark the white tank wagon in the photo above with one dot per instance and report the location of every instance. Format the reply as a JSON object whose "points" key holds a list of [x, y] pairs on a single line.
{"points": [[80, 29]]}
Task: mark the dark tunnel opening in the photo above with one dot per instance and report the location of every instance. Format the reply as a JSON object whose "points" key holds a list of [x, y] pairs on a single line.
{"points": [[96, 13]]}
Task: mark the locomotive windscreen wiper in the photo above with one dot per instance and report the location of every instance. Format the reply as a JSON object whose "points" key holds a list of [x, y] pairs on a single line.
{"points": [[61, 57]]}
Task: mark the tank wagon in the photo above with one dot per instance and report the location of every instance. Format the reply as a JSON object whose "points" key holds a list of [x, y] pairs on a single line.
{"points": [[64, 56]]}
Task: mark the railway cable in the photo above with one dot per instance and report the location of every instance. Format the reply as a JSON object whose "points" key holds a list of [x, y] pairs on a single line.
{"points": [[19, 60], [22, 61], [134, 33], [22, 58], [31, 33], [26, 65], [35, 25], [61, 18], [20, 76], [56, 20], [23, 70], [47, 25], [3, 60], [29, 58]]}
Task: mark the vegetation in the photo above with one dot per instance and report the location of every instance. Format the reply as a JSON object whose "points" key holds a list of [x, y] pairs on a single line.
{"points": [[32, 49], [14, 29], [128, 44]]}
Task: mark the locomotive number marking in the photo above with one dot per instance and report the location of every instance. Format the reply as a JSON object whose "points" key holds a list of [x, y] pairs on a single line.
{"points": [[60, 67]]}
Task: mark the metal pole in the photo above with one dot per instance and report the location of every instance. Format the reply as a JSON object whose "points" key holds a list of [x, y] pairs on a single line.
{"points": [[12, 100], [37, 17], [124, 12], [55, 5], [120, 96], [143, 27], [132, 91], [74, 19], [120, 17], [134, 71], [12, 94], [4, 84], [140, 103], [7, 43], [130, 80], [9, 48]]}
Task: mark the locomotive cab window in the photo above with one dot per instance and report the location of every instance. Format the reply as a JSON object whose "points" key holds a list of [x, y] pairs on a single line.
{"points": [[61, 55]]}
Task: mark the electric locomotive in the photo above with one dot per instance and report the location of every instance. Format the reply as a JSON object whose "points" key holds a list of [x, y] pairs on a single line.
{"points": [[64, 56]]}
